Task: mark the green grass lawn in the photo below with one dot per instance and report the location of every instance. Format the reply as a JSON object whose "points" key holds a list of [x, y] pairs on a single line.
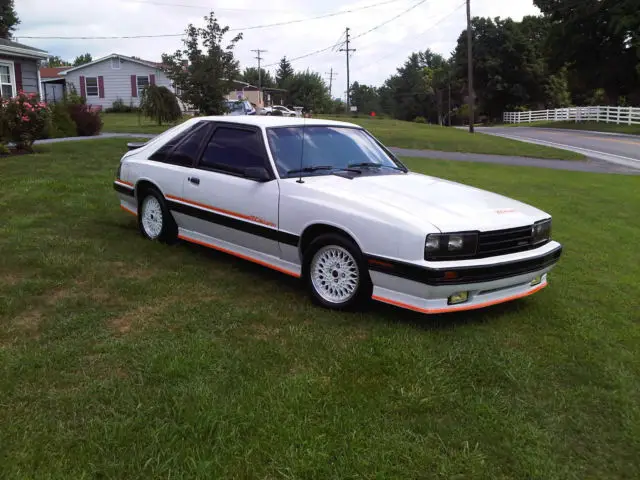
{"points": [[394, 133], [123, 358], [593, 126], [397, 133], [131, 123]]}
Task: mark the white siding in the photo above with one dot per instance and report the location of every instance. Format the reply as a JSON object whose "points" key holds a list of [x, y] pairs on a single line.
{"points": [[117, 82]]}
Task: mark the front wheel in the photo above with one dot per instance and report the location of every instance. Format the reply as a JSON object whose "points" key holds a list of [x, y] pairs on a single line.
{"points": [[154, 220], [336, 274]]}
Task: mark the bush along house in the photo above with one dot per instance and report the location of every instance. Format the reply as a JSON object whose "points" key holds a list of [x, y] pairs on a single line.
{"points": [[19, 68], [114, 78]]}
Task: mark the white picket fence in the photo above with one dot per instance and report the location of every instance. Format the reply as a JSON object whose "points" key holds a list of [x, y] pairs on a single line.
{"points": [[620, 115]]}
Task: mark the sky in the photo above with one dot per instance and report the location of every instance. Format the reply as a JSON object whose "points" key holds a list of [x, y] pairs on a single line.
{"points": [[434, 24]]}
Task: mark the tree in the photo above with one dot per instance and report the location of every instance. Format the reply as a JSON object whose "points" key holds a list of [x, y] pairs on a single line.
{"points": [[307, 89], [8, 19], [250, 75], [364, 97], [557, 90], [160, 104], [55, 61], [204, 74], [82, 59], [284, 72]]}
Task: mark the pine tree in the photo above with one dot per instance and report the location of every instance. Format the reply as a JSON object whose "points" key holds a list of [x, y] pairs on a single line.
{"points": [[8, 18], [284, 72]]}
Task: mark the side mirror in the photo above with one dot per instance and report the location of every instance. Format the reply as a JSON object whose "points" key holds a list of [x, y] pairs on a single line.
{"points": [[259, 174]]}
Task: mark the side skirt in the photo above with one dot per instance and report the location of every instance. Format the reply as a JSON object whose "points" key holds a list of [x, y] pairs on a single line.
{"points": [[269, 261]]}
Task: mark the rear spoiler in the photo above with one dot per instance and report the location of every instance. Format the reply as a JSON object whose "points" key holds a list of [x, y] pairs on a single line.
{"points": [[135, 145]]}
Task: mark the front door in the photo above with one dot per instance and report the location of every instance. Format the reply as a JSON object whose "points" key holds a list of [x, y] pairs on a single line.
{"points": [[234, 208]]}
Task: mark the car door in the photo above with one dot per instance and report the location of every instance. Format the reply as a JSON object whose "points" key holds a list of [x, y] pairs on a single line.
{"points": [[235, 207]]}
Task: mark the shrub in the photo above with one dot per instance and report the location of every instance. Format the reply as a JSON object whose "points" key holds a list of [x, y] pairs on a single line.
{"points": [[4, 150], [62, 125], [160, 104], [419, 120], [23, 120], [118, 106], [88, 123]]}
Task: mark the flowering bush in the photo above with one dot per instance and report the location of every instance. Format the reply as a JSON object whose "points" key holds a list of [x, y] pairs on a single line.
{"points": [[87, 122], [23, 119]]}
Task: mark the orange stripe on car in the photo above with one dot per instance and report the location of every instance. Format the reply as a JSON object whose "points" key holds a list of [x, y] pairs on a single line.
{"points": [[128, 184], [221, 210], [239, 255], [381, 263], [128, 210], [460, 308]]}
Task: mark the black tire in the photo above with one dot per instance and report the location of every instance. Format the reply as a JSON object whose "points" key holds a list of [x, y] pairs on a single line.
{"points": [[329, 243], [168, 230]]}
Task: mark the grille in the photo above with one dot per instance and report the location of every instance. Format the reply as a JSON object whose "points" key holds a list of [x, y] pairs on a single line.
{"points": [[501, 242]]}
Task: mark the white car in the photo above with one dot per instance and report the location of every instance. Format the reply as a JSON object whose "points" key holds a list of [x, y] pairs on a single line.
{"points": [[325, 201], [281, 108]]}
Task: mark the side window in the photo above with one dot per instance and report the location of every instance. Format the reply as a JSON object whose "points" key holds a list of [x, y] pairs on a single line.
{"points": [[187, 144], [234, 149]]}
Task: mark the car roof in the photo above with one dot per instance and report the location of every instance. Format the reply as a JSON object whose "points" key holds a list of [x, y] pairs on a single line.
{"points": [[266, 121]]}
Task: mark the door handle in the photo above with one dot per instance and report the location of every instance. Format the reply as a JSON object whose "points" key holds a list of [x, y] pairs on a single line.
{"points": [[194, 180]]}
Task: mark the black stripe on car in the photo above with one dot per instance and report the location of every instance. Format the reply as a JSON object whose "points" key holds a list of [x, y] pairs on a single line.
{"points": [[124, 189], [235, 223], [462, 275]]}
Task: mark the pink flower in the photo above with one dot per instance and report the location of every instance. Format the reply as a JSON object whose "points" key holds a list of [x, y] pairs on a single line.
{"points": [[25, 118], [32, 95]]}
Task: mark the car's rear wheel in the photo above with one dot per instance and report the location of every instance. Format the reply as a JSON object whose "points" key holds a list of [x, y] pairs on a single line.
{"points": [[336, 274], [154, 219]]}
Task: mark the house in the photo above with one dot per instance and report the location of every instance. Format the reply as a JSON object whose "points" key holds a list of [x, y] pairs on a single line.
{"points": [[268, 96], [19, 68], [52, 83], [114, 77]]}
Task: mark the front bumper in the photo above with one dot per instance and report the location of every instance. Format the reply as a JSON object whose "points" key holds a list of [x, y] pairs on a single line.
{"points": [[427, 290]]}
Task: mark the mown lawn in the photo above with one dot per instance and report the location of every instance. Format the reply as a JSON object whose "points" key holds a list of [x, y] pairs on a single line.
{"points": [[397, 133], [131, 123], [121, 358], [393, 133], [593, 126]]}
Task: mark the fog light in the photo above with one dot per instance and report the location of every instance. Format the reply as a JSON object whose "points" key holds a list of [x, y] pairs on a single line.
{"points": [[459, 297], [536, 281]]}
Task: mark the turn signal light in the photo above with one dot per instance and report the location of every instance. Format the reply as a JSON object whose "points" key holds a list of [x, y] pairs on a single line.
{"points": [[536, 281]]}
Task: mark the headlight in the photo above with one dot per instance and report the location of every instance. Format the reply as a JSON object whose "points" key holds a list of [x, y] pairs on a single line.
{"points": [[541, 232], [450, 245]]}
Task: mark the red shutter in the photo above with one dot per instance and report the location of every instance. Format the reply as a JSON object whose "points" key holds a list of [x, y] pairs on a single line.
{"points": [[101, 86], [83, 87], [18, 67], [152, 79], [134, 86]]}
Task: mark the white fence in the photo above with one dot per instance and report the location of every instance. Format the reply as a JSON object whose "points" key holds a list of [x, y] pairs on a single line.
{"points": [[620, 115]]}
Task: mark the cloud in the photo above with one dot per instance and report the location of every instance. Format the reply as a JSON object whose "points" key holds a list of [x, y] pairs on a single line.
{"points": [[436, 24]]}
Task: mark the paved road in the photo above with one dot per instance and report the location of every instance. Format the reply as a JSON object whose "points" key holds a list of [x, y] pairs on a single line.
{"points": [[615, 148]]}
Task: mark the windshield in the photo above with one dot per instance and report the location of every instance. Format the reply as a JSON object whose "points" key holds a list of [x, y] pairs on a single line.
{"points": [[334, 147]]}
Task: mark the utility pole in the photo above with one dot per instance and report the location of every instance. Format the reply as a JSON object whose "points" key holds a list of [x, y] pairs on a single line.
{"points": [[347, 49], [470, 67], [258, 52], [331, 75]]}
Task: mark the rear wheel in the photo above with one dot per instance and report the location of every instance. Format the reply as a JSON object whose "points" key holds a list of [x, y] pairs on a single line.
{"points": [[154, 219], [336, 274]]}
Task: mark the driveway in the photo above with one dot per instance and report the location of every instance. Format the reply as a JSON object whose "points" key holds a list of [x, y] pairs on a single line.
{"points": [[615, 148]]}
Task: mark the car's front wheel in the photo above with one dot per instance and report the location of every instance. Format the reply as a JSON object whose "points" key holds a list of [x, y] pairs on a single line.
{"points": [[154, 220], [336, 273]]}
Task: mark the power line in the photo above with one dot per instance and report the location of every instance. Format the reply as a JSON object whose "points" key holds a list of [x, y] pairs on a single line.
{"points": [[259, 58], [347, 50], [331, 75], [253, 27], [321, 50]]}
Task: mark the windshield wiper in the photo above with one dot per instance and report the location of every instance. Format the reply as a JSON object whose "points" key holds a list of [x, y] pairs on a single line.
{"points": [[316, 168], [371, 164]]}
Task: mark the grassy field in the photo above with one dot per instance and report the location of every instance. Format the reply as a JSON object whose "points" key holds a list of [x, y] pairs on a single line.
{"points": [[593, 126], [393, 133], [122, 358], [397, 133], [130, 123]]}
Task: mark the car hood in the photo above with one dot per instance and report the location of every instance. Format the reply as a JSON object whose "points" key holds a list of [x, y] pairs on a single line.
{"points": [[446, 205]]}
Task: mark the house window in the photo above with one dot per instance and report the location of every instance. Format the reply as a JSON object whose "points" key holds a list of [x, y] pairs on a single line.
{"points": [[142, 82], [115, 63], [92, 86], [7, 80]]}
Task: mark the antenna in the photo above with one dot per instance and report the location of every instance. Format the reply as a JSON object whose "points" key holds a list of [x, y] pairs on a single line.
{"points": [[304, 124]]}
